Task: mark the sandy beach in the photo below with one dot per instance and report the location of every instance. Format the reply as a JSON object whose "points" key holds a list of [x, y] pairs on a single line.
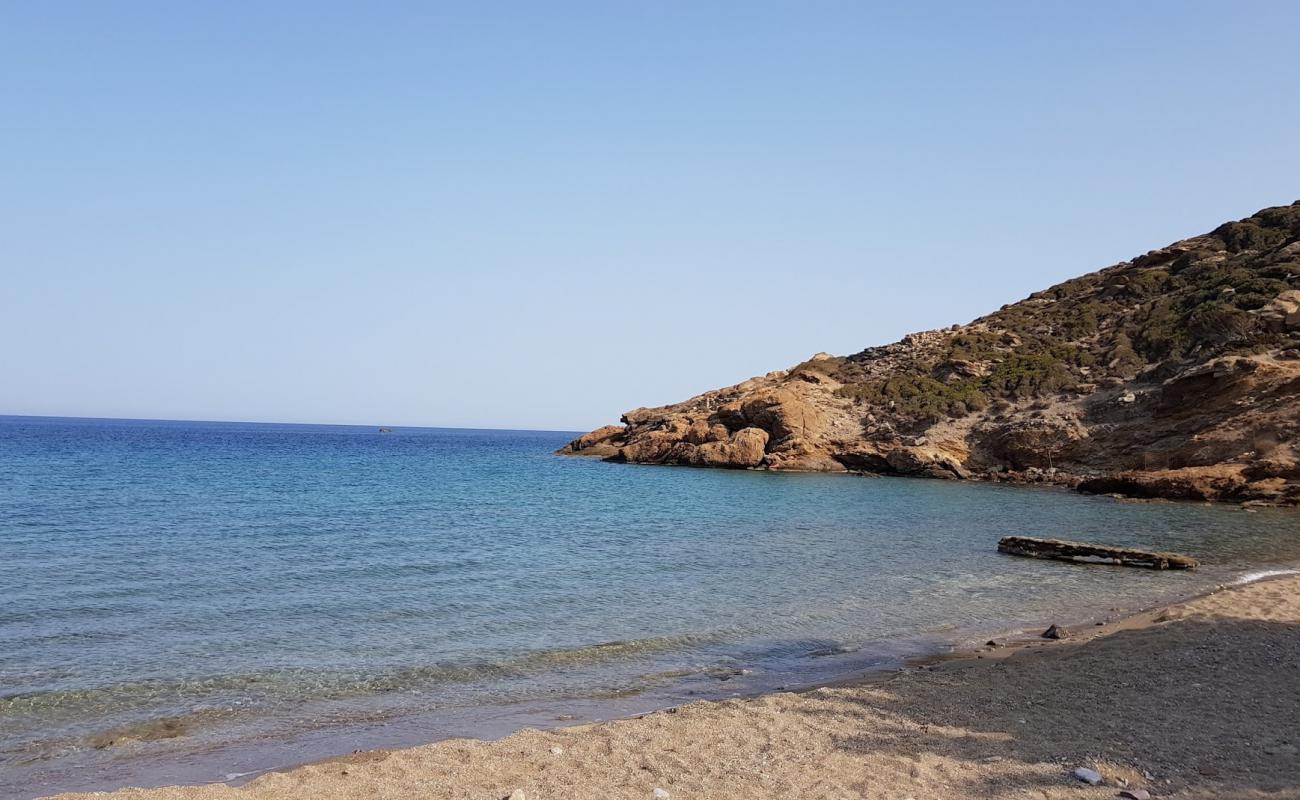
{"points": [[1200, 699]]}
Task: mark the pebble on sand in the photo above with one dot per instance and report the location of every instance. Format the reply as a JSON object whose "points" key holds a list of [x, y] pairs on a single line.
{"points": [[1055, 632], [661, 794], [1089, 776], [1135, 794]]}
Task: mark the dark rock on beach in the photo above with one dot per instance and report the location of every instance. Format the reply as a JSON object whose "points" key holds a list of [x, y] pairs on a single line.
{"points": [[1055, 632]]}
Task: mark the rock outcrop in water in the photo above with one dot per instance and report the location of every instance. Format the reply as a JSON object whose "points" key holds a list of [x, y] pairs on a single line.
{"points": [[1173, 375], [1085, 553]]}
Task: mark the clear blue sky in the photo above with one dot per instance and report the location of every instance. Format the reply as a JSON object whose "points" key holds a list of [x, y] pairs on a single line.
{"points": [[544, 214]]}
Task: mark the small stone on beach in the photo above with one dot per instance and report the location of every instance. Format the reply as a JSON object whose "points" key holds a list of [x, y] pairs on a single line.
{"points": [[517, 794], [1055, 632], [1135, 794], [1089, 776], [555, 751], [661, 794]]}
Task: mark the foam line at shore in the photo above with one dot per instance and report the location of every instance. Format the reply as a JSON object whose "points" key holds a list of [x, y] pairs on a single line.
{"points": [[1264, 574]]}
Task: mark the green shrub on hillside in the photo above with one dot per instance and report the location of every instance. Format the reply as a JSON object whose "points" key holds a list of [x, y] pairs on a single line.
{"points": [[1147, 316], [919, 397], [829, 367]]}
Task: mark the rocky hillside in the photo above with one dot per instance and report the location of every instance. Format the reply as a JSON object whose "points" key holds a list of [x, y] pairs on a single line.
{"points": [[1176, 374]]}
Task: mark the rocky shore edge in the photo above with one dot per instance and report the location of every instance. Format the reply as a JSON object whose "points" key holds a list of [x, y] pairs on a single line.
{"points": [[1214, 484]]}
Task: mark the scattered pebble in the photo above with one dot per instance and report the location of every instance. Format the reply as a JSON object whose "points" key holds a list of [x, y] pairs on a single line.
{"points": [[517, 794], [555, 751], [1055, 632], [1089, 776], [661, 794], [1136, 794]]}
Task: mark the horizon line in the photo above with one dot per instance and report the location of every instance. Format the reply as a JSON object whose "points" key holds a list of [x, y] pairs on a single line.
{"points": [[272, 422]]}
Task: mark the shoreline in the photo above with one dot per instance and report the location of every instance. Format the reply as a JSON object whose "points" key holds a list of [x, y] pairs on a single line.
{"points": [[1013, 648], [1107, 484]]}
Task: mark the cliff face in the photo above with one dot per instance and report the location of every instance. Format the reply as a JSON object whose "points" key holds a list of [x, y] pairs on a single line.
{"points": [[1176, 374]]}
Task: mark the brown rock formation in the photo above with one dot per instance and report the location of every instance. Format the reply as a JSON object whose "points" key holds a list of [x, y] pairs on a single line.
{"points": [[1086, 553], [1176, 374]]}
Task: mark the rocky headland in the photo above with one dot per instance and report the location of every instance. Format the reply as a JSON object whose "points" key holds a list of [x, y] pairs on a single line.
{"points": [[1173, 375]]}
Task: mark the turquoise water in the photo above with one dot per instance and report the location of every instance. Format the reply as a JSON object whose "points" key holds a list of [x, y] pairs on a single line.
{"points": [[216, 598]]}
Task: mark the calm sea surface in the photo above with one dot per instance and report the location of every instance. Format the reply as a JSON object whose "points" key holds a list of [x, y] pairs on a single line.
{"points": [[199, 601]]}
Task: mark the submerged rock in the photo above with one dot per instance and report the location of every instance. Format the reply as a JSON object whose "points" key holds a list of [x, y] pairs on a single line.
{"points": [[1082, 552]]}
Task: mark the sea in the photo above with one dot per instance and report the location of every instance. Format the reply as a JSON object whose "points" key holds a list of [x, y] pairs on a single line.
{"points": [[202, 601]]}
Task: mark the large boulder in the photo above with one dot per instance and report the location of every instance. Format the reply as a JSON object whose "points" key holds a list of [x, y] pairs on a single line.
{"points": [[602, 442], [784, 414], [655, 447], [1282, 313], [642, 416], [744, 448], [699, 431]]}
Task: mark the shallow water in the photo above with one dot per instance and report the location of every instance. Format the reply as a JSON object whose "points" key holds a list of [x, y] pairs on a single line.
{"points": [[214, 598]]}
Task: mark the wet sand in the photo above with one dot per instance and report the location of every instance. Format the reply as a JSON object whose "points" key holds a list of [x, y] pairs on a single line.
{"points": [[1200, 699]]}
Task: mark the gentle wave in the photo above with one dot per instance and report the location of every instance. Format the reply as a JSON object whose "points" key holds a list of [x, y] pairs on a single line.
{"points": [[1263, 574], [300, 685]]}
